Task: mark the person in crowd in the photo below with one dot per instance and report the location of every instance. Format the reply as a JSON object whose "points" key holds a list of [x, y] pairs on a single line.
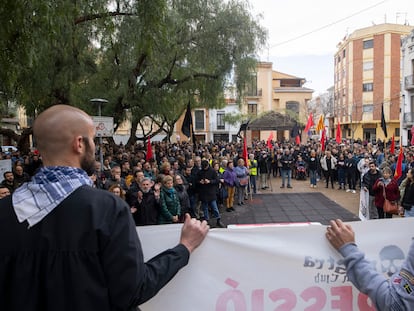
{"points": [[230, 181], [116, 179], [58, 211], [368, 181], [264, 170], [220, 186], [341, 169], [312, 163], [385, 187], [181, 190], [287, 162], [170, 209], [148, 172], [328, 165], [242, 174], [407, 194], [35, 164], [394, 293], [189, 180], [20, 176], [9, 181], [4, 192], [106, 169], [351, 172], [145, 206], [117, 190], [252, 166], [207, 182]]}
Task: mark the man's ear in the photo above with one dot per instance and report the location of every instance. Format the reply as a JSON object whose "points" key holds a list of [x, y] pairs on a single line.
{"points": [[78, 145]]}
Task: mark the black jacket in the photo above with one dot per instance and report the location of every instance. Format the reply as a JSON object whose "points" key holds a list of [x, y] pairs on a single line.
{"points": [[84, 255], [207, 192]]}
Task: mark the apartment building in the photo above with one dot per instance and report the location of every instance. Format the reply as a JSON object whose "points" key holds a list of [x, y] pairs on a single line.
{"points": [[368, 75], [407, 104], [278, 92]]}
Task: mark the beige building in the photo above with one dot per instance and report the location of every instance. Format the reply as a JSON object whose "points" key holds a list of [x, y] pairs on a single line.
{"points": [[367, 77], [278, 92]]}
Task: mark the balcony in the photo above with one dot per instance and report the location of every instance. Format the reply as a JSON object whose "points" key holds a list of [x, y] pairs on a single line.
{"points": [[254, 93], [409, 83], [409, 117]]}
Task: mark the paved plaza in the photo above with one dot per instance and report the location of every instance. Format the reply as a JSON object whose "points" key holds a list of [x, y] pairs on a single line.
{"points": [[299, 204]]}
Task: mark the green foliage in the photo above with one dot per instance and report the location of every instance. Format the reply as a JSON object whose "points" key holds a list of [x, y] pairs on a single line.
{"points": [[150, 57]]}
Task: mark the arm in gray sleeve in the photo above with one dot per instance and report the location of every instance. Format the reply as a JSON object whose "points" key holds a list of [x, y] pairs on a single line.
{"points": [[391, 294]]}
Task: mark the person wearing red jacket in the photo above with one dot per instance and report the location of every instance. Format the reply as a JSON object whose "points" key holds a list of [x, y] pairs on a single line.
{"points": [[392, 192]]}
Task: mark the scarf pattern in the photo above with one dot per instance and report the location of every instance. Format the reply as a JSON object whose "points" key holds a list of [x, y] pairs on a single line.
{"points": [[34, 200]]}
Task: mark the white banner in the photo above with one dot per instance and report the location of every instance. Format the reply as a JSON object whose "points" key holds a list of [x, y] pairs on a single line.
{"points": [[104, 126], [273, 268], [5, 166]]}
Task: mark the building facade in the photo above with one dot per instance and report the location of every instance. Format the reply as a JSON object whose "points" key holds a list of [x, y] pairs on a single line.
{"points": [[279, 92], [407, 105], [368, 76]]}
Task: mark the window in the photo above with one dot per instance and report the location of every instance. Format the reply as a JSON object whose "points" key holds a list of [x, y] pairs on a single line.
{"points": [[220, 121], [369, 65], [199, 119], [343, 53], [368, 44], [293, 106], [251, 87], [252, 109], [367, 87], [367, 108]]}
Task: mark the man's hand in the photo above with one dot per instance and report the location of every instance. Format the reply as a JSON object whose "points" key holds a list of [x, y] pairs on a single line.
{"points": [[193, 232], [339, 234]]}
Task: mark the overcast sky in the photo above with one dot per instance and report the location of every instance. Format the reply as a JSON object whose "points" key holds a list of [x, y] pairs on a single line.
{"points": [[303, 34]]}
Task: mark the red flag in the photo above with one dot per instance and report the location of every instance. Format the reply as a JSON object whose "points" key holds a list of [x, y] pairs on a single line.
{"points": [[338, 133], [149, 155], [323, 138], [398, 169], [412, 135], [310, 123], [269, 141], [245, 156], [297, 140], [392, 148]]}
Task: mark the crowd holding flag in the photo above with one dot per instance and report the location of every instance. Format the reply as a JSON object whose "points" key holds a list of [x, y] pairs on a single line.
{"points": [[338, 133], [320, 126], [295, 133], [309, 124], [187, 127], [245, 155], [383, 124], [149, 154], [398, 170], [269, 141], [323, 139], [412, 135], [392, 148]]}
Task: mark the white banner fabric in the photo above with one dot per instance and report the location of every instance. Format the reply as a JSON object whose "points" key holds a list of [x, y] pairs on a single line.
{"points": [[273, 268]]}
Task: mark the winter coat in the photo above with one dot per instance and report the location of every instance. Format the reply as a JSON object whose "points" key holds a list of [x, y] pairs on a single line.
{"points": [[207, 192]]}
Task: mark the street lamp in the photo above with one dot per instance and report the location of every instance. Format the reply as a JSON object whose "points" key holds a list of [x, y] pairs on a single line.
{"points": [[99, 102]]}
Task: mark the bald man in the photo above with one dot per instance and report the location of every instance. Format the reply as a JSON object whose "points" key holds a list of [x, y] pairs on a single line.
{"points": [[68, 246]]}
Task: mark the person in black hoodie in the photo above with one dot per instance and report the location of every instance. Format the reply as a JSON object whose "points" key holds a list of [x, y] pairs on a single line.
{"points": [[207, 182], [351, 172]]}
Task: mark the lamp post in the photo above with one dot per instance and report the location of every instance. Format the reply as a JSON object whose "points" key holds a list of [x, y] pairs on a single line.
{"points": [[99, 102]]}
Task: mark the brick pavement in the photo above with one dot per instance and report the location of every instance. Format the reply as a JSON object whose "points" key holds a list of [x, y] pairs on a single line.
{"points": [[299, 204]]}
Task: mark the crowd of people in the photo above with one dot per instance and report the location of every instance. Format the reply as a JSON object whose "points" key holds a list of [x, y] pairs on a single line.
{"points": [[204, 179], [82, 250]]}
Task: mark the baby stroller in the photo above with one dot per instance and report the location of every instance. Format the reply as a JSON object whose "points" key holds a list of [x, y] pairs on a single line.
{"points": [[300, 171]]}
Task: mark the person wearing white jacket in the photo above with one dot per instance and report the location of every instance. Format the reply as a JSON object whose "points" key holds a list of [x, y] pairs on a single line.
{"points": [[328, 164]]}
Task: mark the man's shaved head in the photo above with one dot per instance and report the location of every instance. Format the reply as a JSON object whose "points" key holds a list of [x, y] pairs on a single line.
{"points": [[56, 129]]}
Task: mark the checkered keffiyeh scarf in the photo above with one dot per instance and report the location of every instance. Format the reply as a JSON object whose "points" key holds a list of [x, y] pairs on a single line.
{"points": [[34, 200]]}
